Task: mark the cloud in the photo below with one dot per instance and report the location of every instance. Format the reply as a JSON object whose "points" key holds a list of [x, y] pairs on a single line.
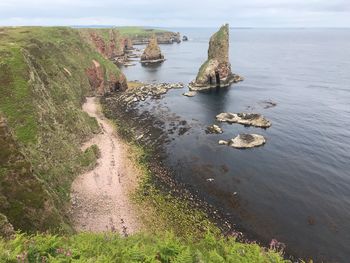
{"points": [[259, 13]]}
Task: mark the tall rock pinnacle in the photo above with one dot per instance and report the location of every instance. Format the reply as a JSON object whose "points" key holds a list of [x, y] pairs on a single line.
{"points": [[216, 71], [152, 53]]}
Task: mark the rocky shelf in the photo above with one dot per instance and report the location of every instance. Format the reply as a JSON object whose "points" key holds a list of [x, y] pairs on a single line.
{"points": [[248, 119], [245, 141], [148, 90]]}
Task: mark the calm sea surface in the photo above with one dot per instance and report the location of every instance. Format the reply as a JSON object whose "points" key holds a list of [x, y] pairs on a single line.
{"points": [[296, 188]]}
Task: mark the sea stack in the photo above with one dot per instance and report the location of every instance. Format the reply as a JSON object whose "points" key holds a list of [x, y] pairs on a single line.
{"points": [[216, 71], [152, 53]]}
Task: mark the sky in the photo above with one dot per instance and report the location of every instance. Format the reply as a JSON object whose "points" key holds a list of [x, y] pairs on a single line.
{"points": [[177, 13]]}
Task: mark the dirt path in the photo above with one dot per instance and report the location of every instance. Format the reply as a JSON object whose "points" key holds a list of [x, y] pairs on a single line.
{"points": [[100, 198]]}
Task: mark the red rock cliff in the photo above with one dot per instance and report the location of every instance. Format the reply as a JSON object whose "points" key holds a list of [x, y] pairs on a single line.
{"points": [[96, 75]]}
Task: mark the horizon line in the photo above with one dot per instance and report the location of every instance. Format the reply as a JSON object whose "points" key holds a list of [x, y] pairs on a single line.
{"points": [[185, 27]]}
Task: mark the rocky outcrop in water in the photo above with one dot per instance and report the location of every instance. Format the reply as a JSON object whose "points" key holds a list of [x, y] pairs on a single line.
{"points": [[190, 94], [214, 129], [216, 71], [152, 53], [244, 141], [100, 86], [248, 119]]}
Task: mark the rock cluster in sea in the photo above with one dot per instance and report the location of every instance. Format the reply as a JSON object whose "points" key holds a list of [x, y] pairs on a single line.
{"points": [[216, 71], [243, 141], [148, 90], [248, 119], [152, 53]]}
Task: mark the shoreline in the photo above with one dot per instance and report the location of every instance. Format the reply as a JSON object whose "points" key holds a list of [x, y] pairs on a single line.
{"points": [[130, 128]]}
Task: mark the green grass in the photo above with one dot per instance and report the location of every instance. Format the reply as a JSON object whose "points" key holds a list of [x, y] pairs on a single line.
{"points": [[88, 247], [13, 73], [202, 69]]}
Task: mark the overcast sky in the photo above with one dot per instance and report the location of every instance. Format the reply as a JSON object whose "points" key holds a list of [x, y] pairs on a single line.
{"points": [[178, 13]]}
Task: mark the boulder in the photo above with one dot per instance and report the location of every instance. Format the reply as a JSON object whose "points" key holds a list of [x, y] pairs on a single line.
{"points": [[216, 71], [152, 53], [244, 141], [248, 119], [214, 129]]}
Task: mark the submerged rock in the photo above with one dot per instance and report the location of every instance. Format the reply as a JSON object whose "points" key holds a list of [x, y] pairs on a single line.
{"points": [[214, 129], [244, 141], [267, 104], [249, 119], [216, 71], [152, 53], [190, 94]]}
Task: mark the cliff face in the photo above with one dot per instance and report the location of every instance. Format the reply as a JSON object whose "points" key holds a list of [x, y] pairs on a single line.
{"points": [[45, 74], [108, 42], [152, 52], [216, 71], [100, 86]]}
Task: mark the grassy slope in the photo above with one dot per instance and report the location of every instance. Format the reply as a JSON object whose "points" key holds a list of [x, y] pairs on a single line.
{"points": [[42, 104]]}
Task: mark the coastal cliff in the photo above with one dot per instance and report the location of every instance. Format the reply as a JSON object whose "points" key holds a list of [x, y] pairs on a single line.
{"points": [[216, 70], [45, 74], [108, 42]]}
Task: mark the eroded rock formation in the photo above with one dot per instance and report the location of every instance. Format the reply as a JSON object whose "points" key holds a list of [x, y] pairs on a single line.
{"points": [[98, 83], [248, 119], [245, 141], [216, 71], [110, 45], [152, 53]]}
